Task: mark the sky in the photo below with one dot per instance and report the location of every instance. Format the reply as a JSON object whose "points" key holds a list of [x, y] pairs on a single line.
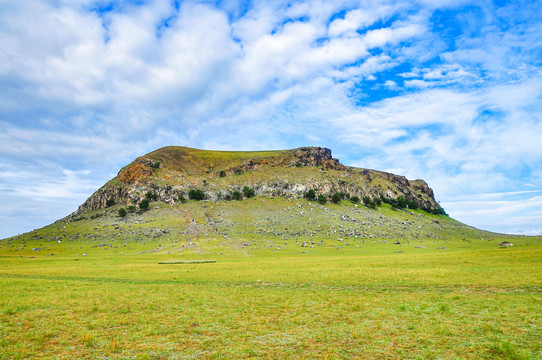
{"points": [[448, 91]]}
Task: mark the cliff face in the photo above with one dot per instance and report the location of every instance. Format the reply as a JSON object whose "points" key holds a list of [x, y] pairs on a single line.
{"points": [[169, 173]]}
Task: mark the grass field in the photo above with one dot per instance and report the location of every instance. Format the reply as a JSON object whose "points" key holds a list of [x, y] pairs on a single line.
{"points": [[446, 291]]}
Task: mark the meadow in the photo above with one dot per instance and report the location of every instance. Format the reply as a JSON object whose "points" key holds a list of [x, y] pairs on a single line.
{"points": [[457, 295]]}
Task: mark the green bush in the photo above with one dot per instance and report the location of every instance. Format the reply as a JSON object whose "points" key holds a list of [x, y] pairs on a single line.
{"points": [[122, 212], [222, 173], [131, 208], [144, 205], [354, 199], [336, 198], [310, 195], [110, 202], [322, 199], [236, 195], [343, 195], [438, 211], [196, 194], [151, 196], [367, 201], [412, 204], [248, 191]]}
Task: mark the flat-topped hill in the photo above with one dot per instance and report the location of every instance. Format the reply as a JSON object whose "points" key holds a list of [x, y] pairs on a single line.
{"points": [[170, 173]]}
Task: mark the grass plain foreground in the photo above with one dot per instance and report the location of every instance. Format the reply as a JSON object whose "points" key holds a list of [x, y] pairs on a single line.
{"points": [[445, 297]]}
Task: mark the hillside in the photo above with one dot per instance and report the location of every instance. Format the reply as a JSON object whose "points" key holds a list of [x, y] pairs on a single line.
{"points": [[373, 212], [171, 172]]}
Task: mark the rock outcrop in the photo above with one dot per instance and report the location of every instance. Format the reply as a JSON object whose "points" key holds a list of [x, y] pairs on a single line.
{"points": [[182, 169]]}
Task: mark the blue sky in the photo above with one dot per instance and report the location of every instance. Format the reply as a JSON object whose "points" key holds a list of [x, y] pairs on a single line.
{"points": [[446, 91]]}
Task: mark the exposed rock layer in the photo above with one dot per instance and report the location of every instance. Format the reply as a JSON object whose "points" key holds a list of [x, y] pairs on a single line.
{"points": [[171, 172]]}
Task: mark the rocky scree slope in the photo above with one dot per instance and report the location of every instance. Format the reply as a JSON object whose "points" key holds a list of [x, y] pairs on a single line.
{"points": [[171, 172]]}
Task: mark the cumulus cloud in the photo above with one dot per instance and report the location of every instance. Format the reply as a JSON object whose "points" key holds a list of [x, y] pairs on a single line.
{"points": [[86, 86]]}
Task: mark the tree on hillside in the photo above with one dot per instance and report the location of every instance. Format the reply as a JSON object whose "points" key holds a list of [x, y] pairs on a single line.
{"points": [[196, 194], [236, 195], [322, 199], [122, 212], [249, 192], [310, 195], [144, 205], [367, 201]]}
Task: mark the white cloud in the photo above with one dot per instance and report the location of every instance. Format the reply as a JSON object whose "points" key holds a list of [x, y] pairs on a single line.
{"points": [[385, 36], [357, 19], [84, 90]]}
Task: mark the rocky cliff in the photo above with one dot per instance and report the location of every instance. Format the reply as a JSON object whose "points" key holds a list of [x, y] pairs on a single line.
{"points": [[170, 173]]}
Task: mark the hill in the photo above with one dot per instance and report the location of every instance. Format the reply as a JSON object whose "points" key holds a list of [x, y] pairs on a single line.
{"points": [[241, 202], [171, 172]]}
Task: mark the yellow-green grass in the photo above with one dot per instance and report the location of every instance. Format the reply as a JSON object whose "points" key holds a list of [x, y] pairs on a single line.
{"points": [[478, 304], [457, 295]]}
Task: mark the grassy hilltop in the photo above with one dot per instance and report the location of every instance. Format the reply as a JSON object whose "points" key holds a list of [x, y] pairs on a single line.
{"points": [[272, 275]]}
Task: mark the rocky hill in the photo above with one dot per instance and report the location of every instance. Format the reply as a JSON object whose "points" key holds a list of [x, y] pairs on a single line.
{"points": [[180, 201], [170, 173]]}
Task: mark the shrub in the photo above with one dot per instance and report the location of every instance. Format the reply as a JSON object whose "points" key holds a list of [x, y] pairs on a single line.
{"points": [[144, 205], [354, 199], [222, 173], [151, 196], [249, 192], [131, 208], [204, 182], [122, 212], [367, 201], [336, 198], [236, 195], [401, 202], [439, 211], [110, 202], [412, 204], [181, 199], [238, 171], [322, 199], [310, 195], [196, 194], [343, 195]]}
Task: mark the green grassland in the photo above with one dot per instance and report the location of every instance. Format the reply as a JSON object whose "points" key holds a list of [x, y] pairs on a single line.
{"points": [[291, 279]]}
